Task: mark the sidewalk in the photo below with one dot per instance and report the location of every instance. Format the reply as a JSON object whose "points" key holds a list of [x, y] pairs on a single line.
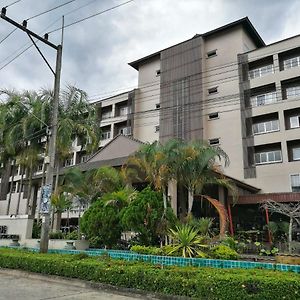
{"points": [[29, 286]]}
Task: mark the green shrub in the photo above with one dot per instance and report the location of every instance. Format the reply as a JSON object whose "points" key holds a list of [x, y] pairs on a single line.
{"points": [[102, 221], [95, 242], [147, 250], [79, 256], [223, 252], [72, 235], [144, 216], [56, 235], [170, 251], [191, 282]]}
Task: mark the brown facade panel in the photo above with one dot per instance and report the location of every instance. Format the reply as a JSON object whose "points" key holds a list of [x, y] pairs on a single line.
{"points": [[260, 198]]}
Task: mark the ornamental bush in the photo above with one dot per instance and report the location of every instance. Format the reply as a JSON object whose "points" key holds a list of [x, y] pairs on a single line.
{"points": [[102, 221], [223, 252], [144, 215], [199, 283]]}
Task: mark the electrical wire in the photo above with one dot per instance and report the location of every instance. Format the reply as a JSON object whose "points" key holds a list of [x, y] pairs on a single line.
{"points": [[49, 10], [91, 16], [8, 35], [11, 4]]}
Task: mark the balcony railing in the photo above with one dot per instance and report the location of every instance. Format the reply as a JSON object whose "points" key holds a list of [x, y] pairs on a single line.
{"points": [[261, 71]]}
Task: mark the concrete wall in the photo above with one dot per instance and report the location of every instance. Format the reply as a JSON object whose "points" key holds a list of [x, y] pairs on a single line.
{"points": [[146, 98], [20, 225]]}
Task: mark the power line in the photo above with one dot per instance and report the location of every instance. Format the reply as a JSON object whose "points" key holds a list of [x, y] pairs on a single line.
{"points": [[233, 63], [51, 9], [91, 16], [8, 35], [12, 3]]}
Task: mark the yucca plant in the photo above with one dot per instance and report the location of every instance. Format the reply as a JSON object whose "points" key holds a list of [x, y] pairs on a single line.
{"points": [[187, 241]]}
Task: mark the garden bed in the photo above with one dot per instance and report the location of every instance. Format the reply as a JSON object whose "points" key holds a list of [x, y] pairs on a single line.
{"points": [[200, 283], [180, 261]]}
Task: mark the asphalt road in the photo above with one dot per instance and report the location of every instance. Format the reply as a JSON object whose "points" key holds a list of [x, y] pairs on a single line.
{"points": [[16, 285]]}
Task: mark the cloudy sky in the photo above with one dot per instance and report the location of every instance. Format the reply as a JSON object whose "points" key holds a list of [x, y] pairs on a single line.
{"points": [[96, 51]]}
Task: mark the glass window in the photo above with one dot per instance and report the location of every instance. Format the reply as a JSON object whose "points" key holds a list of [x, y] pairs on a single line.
{"points": [[261, 71], [293, 91], [291, 62], [106, 115], [265, 127], [294, 122], [263, 99], [268, 157], [105, 135], [295, 182], [296, 153]]}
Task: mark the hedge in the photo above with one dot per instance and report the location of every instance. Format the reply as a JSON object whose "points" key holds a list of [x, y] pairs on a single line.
{"points": [[200, 283]]}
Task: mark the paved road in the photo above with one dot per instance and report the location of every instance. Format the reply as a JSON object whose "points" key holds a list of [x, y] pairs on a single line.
{"points": [[16, 285]]}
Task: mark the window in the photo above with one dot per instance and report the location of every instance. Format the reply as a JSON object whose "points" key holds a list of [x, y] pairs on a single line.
{"points": [[213, 116], [14, 187], [211, 53], [84, 158], [156, 128], [295, 183], [40, 168], [268, 157], [123, 111], [157, 73], [125, 131], [213, 90], [264, 127], [293, 91], [291, 62], [263, 99], [68, 162], [296, 153], [294, 122], [260, 72], [105, 135], [106, 115], [214, 142]]}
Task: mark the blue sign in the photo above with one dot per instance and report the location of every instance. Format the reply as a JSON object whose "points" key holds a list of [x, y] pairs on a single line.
{"points": [[46, 192]]}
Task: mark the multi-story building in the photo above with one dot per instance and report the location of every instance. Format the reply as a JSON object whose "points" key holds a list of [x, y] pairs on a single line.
{"points": [[229, 88]]}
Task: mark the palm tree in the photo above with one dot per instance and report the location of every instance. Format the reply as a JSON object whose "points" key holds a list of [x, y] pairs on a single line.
{"points": [[77, 119], [26, 113], [191, 164], [152, 161]]}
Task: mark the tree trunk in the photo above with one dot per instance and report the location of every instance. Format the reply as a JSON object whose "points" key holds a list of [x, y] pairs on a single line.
{"points": [[57, 176], [190, 200], [79, 215], [11, 187], [20, 190], [165, 202], [290, 235], [57, 221]]}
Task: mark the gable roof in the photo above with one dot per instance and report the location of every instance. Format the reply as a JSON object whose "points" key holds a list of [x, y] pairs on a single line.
{"points": [[245, 22], [119, 146]]}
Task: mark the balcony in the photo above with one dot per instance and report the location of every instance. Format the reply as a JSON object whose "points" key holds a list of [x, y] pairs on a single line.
{"points": [[292, 118], [291, 88], [289, 59], [293, 150], [261, 96], [266, 154], [263, 124], [261, 68]]}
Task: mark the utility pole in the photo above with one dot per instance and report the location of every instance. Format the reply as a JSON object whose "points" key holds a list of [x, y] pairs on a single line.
{"points": [[47, 189]]}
